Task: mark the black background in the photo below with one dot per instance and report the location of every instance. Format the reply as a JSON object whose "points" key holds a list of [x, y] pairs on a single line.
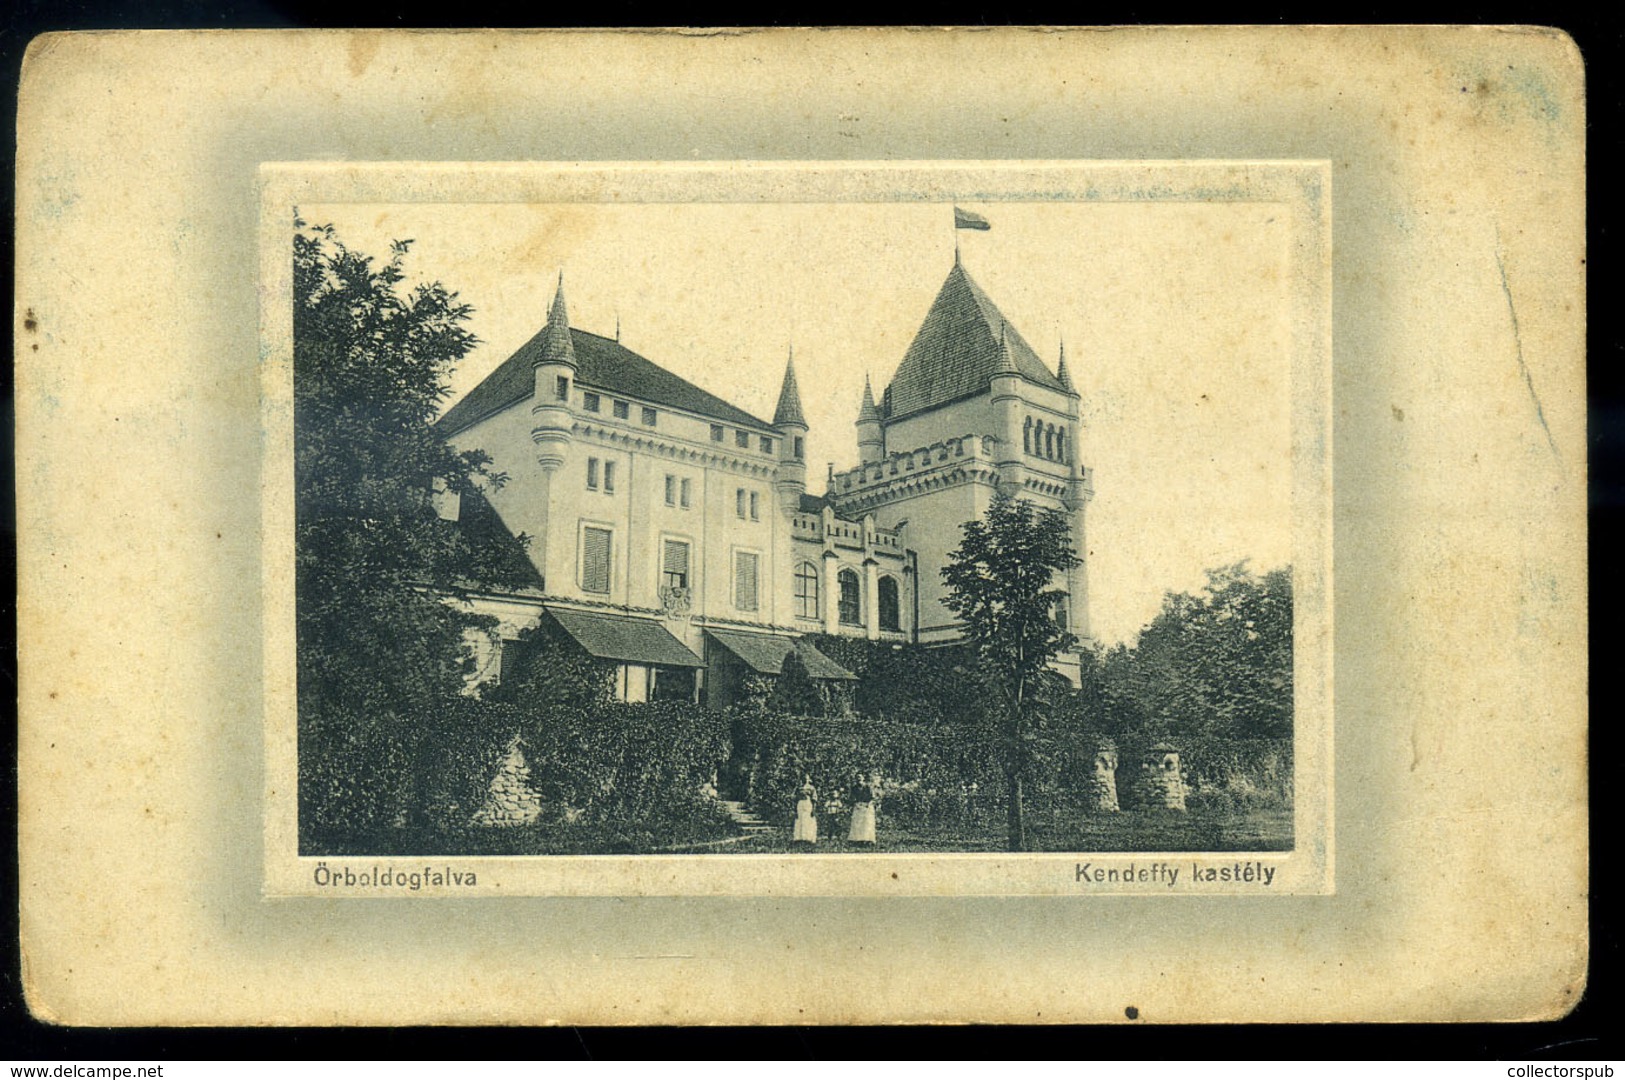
{"points": [[1585, 1033]]}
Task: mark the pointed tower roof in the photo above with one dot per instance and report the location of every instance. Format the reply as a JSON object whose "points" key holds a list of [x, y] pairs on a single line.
{"points": [[1061, 373], [868, 411], [789, 410], [557, 348], [957, 350]]}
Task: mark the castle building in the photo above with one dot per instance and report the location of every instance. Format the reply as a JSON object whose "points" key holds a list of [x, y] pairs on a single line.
{"points": [[672, 532]]}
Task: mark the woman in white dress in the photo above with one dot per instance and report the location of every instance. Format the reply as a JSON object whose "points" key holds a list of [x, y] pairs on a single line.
{"points": [[806, 830], [863, 810]]}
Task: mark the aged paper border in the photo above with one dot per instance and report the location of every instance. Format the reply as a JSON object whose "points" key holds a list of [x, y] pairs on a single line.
{"points": [[1459, 523], [1300, 189]]}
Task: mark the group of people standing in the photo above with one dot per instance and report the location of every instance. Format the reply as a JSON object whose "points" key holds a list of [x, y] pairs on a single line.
{"points": [[864, 792]]}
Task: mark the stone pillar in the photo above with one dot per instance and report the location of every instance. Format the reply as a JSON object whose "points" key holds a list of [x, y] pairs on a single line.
{"points": [[832, 594], [871, 599], [1103, 784], [1161, 783], [511, 800]]}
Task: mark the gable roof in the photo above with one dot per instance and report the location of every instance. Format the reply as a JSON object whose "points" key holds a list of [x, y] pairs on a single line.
{"points": [[602, 364], [959, 347]]}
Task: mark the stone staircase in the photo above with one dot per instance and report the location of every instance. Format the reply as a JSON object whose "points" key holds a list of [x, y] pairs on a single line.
{"points": [[749, 824]]}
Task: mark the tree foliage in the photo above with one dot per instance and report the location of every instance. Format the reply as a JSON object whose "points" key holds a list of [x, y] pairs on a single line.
{"points": [[1214, 663], [1001, 585], [377, 646]]}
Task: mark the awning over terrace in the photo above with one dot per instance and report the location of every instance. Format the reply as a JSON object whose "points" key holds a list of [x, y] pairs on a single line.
{"points": [[765, 653], [625, 639]]}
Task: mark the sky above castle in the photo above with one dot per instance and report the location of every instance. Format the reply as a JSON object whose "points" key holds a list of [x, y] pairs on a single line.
{"points": [[1175, 317]]}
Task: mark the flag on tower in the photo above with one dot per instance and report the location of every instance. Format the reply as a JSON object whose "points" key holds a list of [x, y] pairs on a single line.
{"points": [[964, 219]]}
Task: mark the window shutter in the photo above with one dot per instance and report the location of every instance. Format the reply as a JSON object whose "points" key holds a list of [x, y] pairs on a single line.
{"points": [[595, 560], [676, 557], [745, 581]]}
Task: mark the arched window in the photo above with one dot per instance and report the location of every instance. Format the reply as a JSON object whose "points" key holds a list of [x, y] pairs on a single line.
{"points": [[851, 598], [1027, 436], [1060, 445], [807, 590], [888, 604]]}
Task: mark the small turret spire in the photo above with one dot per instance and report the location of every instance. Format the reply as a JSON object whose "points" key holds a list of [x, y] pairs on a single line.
{"points": [[1060, 372], [789, 410], [557, 345], [1006, 364], [868, 411]]}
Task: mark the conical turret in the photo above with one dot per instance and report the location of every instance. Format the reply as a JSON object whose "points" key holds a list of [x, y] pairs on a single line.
{"points": [[557, 347], [871, 439], [792, 425], [556, 367], [1063, 374], [789, 410]]}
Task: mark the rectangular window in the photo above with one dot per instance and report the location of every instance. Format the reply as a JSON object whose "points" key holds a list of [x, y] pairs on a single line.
{"points": [[648, 417], [742, 440], [753, 512], [745, 580], [685, 493], [621, 409], [767, 445], [716, 432], [739, 504], [671, 490], [609, 476], [595, 554], [592, 474], [675, 565], [799, 449], [563, 388], [590, 401]]}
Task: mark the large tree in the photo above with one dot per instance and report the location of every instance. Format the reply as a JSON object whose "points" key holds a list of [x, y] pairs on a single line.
{"points": [[1001, 583], [377, 644], [1216, 662]]}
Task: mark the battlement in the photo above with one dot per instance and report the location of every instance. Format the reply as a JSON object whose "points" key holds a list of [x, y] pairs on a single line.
{"points": [[964, 449], [842, 533]]}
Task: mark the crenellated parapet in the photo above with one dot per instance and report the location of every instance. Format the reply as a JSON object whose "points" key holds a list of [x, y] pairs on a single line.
{"points": [[959, 460]]}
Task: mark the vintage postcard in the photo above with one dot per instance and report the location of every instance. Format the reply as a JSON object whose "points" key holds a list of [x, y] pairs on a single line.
{"points": [[833, 596], [594, 527]]}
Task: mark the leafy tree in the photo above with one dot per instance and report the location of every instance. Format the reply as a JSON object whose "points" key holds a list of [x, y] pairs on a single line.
{"points": [[1001, 584], [377, 646]]}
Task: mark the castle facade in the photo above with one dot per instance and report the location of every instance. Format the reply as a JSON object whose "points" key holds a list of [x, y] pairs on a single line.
{"points": [[672, 532]]}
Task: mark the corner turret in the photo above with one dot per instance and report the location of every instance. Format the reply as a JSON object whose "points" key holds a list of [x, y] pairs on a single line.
{"points": [[1005, 395], [792, 427], [871, 439], [555, 369]]}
